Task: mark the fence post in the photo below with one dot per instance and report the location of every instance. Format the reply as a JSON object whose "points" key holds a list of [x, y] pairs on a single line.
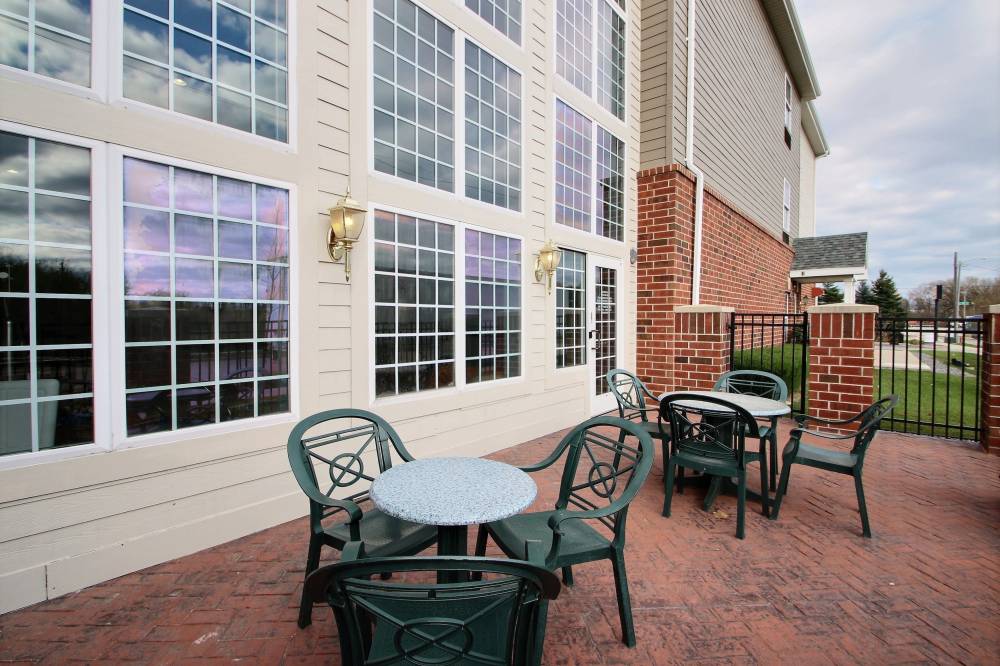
{"points": [[841, 359], [989, 385], [701, 345]]}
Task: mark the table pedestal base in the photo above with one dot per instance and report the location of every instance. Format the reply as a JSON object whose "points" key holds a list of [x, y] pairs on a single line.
{"points": [[453, 540]]}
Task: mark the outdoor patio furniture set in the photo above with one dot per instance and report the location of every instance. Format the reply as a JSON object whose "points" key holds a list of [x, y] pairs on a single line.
{"points": [[393, 607]]}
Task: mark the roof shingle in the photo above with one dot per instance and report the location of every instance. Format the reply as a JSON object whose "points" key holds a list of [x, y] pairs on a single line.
{"points": [[842, 250]]}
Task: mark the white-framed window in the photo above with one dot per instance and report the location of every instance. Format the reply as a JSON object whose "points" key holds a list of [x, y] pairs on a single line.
{"points": [[492, 129], [788, 104], [413, 79], [492, 306], [571, 309], [504, 15], [786, 208], [223, 62], [589, 175], [581, 25], [52, 39], [47, 287], [447, 295], [206, 286]]}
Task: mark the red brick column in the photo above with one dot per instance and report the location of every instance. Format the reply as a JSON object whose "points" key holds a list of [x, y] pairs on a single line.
{"points": [[989, 388], [701, 345], [841, 359]]}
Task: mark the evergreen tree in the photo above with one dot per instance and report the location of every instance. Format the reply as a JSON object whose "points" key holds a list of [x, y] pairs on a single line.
{"points": [[863, 294], [891, 307], [831, 294]]}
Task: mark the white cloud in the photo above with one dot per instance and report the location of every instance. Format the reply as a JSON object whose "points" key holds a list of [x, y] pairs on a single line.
{"points": [[911, 105]]}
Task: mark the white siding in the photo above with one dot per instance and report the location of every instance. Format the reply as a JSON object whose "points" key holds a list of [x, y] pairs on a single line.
{"points": [[807, 187]]}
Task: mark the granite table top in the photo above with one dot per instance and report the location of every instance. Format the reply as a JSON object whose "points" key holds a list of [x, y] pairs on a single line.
{"points": [[453, 491], [756, 405]]}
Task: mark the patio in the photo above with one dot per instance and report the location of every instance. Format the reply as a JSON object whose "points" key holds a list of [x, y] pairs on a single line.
{"points": [[806, 589]]}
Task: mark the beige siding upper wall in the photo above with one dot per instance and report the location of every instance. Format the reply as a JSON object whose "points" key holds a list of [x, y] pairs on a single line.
{"points": [[807, 187], [739, 103]]}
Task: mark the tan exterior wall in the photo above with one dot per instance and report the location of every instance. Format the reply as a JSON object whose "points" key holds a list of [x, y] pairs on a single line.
{"points": [[807, 187], [739, 106], [657, 86], [70, 523]]}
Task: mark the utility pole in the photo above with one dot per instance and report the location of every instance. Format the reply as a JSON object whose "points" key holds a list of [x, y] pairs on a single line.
{"points": [[956, 289]]}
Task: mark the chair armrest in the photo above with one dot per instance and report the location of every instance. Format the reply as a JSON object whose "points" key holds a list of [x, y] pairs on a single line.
{"points": [[353, 550], [802, 418], [551, 458], [798, 432]]}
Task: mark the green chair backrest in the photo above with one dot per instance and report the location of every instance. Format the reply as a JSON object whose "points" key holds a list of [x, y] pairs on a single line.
{"points": [[491, 621], [871, 421], [602, 470], [753, 382], [708, 427], [346, 438], [630, 392]]}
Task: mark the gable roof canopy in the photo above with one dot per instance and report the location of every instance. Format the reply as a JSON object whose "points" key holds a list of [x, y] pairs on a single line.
{"points": [[823, 258], [792, 40]]}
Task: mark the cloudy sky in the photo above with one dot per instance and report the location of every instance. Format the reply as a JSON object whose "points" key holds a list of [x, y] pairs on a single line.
{"points": [[911, 108]]}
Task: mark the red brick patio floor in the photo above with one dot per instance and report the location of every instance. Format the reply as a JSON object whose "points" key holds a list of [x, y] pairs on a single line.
{"points": [[805, 589]]}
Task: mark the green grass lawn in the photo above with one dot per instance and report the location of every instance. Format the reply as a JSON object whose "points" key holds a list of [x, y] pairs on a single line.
{"points": [[929, 396], [944, 359], [782, 360]]}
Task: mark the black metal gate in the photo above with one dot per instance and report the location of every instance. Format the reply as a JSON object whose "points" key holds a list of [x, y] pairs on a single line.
{"points": [[934, 366], [774, 342]]}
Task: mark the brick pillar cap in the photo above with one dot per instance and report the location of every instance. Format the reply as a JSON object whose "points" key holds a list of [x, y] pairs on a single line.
{"points": [[844, 308], [994, 309], [703, 308]]}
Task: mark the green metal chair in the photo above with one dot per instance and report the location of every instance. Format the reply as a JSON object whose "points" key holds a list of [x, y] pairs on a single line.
{"points": [[765, 385], [495, 621], [342, 451], [631, 394], [709, 436], [844, 462], [600, 477]]}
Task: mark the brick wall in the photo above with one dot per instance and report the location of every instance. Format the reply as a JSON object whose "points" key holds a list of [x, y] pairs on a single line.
{"points": [[701, 351], [990, 386], [841, 359], [743, 266]]}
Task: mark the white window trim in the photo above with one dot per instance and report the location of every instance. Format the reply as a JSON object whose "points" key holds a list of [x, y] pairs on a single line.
{"points": [[594, 124], [99, 37], [786, 208], [116, 91], [788, 103], [100, 284], [587, 312], [520, 43], [458, 193], [120, 438], [623, 122], [459, 304]]}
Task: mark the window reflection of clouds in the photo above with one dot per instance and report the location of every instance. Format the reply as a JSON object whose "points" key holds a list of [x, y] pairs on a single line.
{"points": [[60, 56]]}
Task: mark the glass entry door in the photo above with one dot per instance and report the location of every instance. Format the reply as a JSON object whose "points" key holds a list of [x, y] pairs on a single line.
{"points": [[604, 335]]}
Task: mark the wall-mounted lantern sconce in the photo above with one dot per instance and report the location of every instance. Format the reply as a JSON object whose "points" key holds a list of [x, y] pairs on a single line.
{"points": [[546, 263], [347, 220]]}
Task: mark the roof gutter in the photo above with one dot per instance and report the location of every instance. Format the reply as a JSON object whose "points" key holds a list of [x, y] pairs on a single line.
{"points": [[814, 130], [699, 177], [792, 41]]}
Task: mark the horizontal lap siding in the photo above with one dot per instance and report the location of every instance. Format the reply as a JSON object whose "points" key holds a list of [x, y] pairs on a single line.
{"points": [[656, 71]]}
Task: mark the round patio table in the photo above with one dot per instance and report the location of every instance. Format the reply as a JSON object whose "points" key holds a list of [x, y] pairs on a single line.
{"points": [[756, 405], [453, 493]]}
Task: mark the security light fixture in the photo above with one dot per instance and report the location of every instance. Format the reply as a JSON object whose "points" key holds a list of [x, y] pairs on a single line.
{"points": [[546, 263], [347, 220]]}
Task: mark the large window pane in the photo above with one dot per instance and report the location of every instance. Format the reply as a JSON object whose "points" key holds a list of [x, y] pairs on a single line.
{"points": [[415, 334], [574, 162], [610, 59], [610, 185], [571, 309], [414, 78], [191, 297], [492, 130], [504, 15], [493, 314], [46, 341], [233, 70], [574, 42], [63, 53]]}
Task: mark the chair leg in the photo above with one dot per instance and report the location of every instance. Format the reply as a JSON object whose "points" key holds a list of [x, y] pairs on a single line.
{"points": [[668, 490], [741, 505], [866, 529], [312, 563], [624, 601], [567, 573], [786, 472], [765, 497], [539, 638], [713, 492], [774, 453]]}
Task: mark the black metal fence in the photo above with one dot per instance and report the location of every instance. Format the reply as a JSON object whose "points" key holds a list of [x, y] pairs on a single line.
{"points": [[774, 342], [934, 366]]}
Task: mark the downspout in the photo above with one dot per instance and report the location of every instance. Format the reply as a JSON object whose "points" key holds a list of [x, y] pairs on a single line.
{"points": [[699, 177]]}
